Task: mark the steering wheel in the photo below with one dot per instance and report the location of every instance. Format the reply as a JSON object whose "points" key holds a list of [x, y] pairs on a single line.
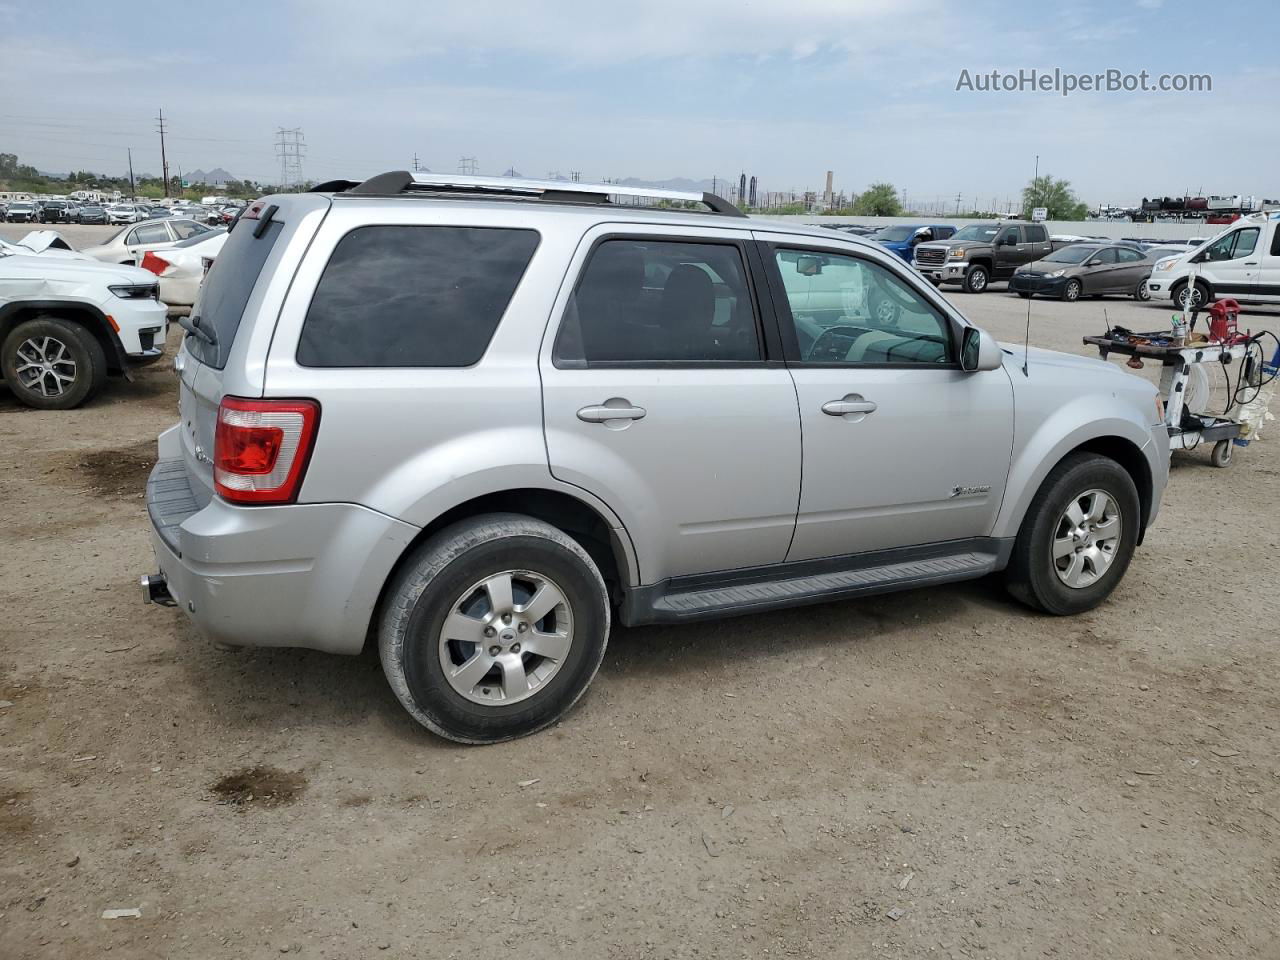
{"points": [[830, 332]]}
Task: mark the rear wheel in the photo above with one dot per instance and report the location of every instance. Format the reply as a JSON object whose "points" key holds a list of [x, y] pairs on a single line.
{"points": [[52, 364], [494, 628], [1077, 538], [1141, 292], [1024, 294]]}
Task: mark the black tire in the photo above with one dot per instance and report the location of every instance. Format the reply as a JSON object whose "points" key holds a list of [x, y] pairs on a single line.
{"points": [[1220, 456], [1031, 576], [433, 581], [1024, 294], [1180, 289], [885, 311], [40, 337], [1071, 290], [976, 279], [1140, 292]]}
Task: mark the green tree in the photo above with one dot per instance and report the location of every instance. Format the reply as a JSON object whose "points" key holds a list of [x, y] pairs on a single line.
{"points": [[1056, 196], [878, 200]]}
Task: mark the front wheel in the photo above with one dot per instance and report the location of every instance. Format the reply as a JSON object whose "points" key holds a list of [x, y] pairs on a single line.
{"points": [[1071, 292], [52, 364], [494, 628], [1141, 292], [976, 279], [1191, 296], [1077, 538]]}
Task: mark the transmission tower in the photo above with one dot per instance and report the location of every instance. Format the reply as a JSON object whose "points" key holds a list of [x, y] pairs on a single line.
{"points": [[291, 146], [468, 165]]}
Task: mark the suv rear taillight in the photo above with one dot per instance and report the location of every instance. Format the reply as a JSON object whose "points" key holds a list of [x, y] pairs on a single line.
{"points": [[261, 448]]}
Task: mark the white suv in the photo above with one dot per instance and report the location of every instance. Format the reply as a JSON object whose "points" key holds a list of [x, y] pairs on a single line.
{"points": [[66, 323]]}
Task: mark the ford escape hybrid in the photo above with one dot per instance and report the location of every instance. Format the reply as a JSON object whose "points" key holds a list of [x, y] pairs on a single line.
{"points": [[481, 420]]}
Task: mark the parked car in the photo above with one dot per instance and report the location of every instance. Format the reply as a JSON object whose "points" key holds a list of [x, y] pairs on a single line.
{"points": [[67, 323], [1085, 269], [21, 211], [124, 213], [902, 240], [982, 252], [129, 245], [484, 431], [1242, 262], [92, 213], [182, 267]]}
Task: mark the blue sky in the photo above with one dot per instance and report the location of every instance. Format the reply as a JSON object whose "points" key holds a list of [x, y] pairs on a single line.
{"points": [[670, 88]]}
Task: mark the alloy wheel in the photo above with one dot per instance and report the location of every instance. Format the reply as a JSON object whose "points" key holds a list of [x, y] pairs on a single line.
{"points": [[505, 637], [45, 365], [1086, 538]]}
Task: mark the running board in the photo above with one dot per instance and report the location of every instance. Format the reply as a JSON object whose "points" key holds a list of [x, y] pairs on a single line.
{"points": [[702, 598]]}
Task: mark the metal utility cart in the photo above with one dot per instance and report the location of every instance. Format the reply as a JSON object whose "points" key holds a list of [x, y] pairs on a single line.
{"points": [[1186, 430]]}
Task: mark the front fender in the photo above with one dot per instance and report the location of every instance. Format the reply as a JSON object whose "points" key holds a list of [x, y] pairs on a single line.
{"points": [[1067, 428]]}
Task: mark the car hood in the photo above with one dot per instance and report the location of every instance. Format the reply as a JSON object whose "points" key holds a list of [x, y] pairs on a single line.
{"points": [[73, 271], [948, 244], [1041, 267], [1038, 356]]}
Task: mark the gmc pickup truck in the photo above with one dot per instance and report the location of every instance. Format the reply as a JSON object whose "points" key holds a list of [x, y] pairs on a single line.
{"points": [[982, 252]]}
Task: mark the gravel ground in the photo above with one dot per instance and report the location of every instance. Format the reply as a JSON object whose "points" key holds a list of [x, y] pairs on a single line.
{"points": [[936, 773]]}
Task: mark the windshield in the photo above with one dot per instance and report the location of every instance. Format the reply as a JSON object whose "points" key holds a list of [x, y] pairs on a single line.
{"points": [[1076, 253], [894, 234], [976, 232]]}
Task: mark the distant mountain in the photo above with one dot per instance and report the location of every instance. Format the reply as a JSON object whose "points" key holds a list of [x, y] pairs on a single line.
{"points": [[214, 178]]}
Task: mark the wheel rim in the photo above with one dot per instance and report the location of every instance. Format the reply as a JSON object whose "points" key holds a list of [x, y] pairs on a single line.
{"points": [[506, 637], [1073, 290], [886, 313], [45, 366], [978, 279], [1086, 539], [1143, 292], [1190, 297]]}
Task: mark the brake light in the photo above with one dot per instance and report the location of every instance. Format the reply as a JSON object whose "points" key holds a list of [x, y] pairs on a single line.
{"points": [[254, 210], [157, 265], [261, 448]]}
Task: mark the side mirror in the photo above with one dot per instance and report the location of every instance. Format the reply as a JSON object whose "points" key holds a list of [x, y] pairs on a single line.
{"points": [[808, 266], [979, 351]]}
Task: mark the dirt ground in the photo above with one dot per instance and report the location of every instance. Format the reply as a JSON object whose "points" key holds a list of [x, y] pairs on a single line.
{"points": [[937, 773]]}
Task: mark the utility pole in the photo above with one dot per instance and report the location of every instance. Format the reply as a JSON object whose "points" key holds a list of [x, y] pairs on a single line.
{"points": [[415, 161], [133, 188], [164, 160], [957, 204]]}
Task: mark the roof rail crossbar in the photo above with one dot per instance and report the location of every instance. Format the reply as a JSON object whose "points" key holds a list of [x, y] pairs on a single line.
{"points": [[563, 191]]}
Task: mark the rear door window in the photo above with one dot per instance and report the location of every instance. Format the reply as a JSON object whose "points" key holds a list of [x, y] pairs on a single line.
{"points": [[412, 296], [227, 288], [1036, 234], [150, 233]]}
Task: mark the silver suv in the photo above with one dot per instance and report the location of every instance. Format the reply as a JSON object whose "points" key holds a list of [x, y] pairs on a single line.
{"points": [[481, 420]]}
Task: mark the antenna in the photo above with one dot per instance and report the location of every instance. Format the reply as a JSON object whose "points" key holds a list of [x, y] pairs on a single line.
{"points": [[1026, 340]]}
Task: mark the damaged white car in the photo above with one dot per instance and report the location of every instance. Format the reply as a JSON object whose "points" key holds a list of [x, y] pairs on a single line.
{"points": [[67, 322]]}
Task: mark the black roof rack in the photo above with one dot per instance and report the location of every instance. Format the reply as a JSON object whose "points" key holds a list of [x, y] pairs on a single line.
{"points": [[556, 191]]}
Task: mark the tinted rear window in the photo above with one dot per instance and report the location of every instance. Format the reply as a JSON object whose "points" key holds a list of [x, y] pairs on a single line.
{"points": [[413, 296], [227, 288]]}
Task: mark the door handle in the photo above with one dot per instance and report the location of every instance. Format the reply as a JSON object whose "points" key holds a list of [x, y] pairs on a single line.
{"points": [[851, 403], [1251, 263], [614, 408]]}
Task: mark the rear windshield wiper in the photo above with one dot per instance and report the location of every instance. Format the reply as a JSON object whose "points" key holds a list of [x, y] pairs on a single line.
{"points": [[193, 325]]}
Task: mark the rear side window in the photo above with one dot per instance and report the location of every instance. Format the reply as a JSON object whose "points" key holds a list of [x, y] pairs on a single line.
{"points": [[1036, 234], [226, 290], [416, 296]]}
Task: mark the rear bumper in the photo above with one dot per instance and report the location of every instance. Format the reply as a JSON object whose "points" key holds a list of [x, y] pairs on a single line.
{"points": [[301, 575]]}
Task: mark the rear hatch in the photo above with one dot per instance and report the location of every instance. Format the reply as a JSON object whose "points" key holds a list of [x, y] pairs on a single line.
{"points": [[235, 315]]}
